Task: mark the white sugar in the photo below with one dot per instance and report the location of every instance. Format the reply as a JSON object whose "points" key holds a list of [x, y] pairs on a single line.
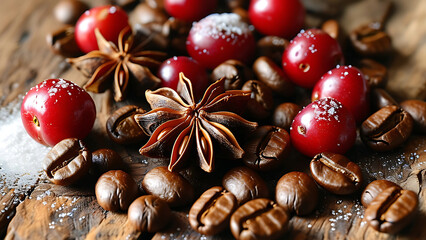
{"points": [[326, 109], [20, 156]]}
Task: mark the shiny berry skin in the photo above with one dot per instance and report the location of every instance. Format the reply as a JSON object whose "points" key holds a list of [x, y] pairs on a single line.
{"points": [[110, 20], [347, 85], [283, 18], [189, 10], [169, 71], [219, 37], [56, 109], [309, 55], [324, 125]]}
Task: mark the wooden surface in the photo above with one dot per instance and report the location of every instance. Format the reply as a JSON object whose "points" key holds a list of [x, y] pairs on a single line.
{"points": [[47, 211]]}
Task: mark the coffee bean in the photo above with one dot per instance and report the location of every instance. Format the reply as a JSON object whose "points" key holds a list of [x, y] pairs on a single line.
{"points": [[122, 127], [149, 214], [155, 3], [266, 148], [68, 161], [391, 210], [336, 173], [234, 72], [144, 14], [271, 74], [332, 27], [272, 47], [259, 219], [261, 101], [210, 214], [68, 11], [169, 186], [115, 190], [380, 98], [375, 188], [386, 129], [245, 184], [374, 73], [417, 110], [104, 160], [284, 114], [237, 3], [297, 192], [370, 40], [62, 42]]}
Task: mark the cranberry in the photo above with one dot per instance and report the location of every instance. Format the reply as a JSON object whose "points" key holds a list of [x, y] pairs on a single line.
{"points": [[324, 125], [57, 109], [219, 37], [169, 74], [110, 20], [189, 10], [283, 18], [309, 55], [347, 85]]}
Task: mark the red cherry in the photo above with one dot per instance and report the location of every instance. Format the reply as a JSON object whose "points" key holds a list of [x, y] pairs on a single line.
{"points": [[283, 18], [309, 55], [57, 109], [347, 85], [324, 125], [169, 71], [219, 37], [110, 20], [189, 10]]}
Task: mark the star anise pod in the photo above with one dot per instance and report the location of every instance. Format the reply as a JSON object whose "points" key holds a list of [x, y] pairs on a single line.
{"points": [[178, 125], [113, 66]]}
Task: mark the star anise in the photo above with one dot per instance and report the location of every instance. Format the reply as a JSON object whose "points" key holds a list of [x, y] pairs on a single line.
{"points": [[178, 125], [112, 65]]}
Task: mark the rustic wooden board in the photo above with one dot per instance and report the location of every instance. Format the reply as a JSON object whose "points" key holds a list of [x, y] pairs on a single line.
{"points": [[53, 212]]}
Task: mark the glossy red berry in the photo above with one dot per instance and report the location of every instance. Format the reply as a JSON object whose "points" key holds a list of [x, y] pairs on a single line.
{"points": [[347, 85], [57, 109], [283, 18], [169, 71], [324, 125], [309, 55], [189, 10], [219, 37], [110, 20]]}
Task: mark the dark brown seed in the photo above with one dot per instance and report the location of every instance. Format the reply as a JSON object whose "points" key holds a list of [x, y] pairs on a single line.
{"points": [[272, 47], [144, 14], [169, 186], [234, 72], [297, 192], [245, 184], [259, 219], [336, 173], [68, 161], [284, 114], [104, 160], [210, 214], [375, 188], [149, 214], [374, 73], [386, 129], [62, 42], [261, 101], [122, 127], [380, 98], [68, 11], [392, 210], [371, 40], [115, 190], [417, 110]]}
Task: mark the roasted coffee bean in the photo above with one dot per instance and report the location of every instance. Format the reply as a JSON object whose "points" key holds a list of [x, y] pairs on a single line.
{"points": [[266, 148], [155, 3], [332, 28], [210, 214], [144, 14], [261, 101], [297, 192], [68, 161], [380, 98], [375, 188], [245, 184], [386, 129], [374, 73], [176, 32], [122, 127], [371, 40], [149, 214], [417, 110], [259, 219], [237, 3], [272, 47], [169, 186], [391, 210], [115, 190], [271, 74], [62, 42], [336, 173], [68, 11], [234, 72], [284, 114], [104, 160]]}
